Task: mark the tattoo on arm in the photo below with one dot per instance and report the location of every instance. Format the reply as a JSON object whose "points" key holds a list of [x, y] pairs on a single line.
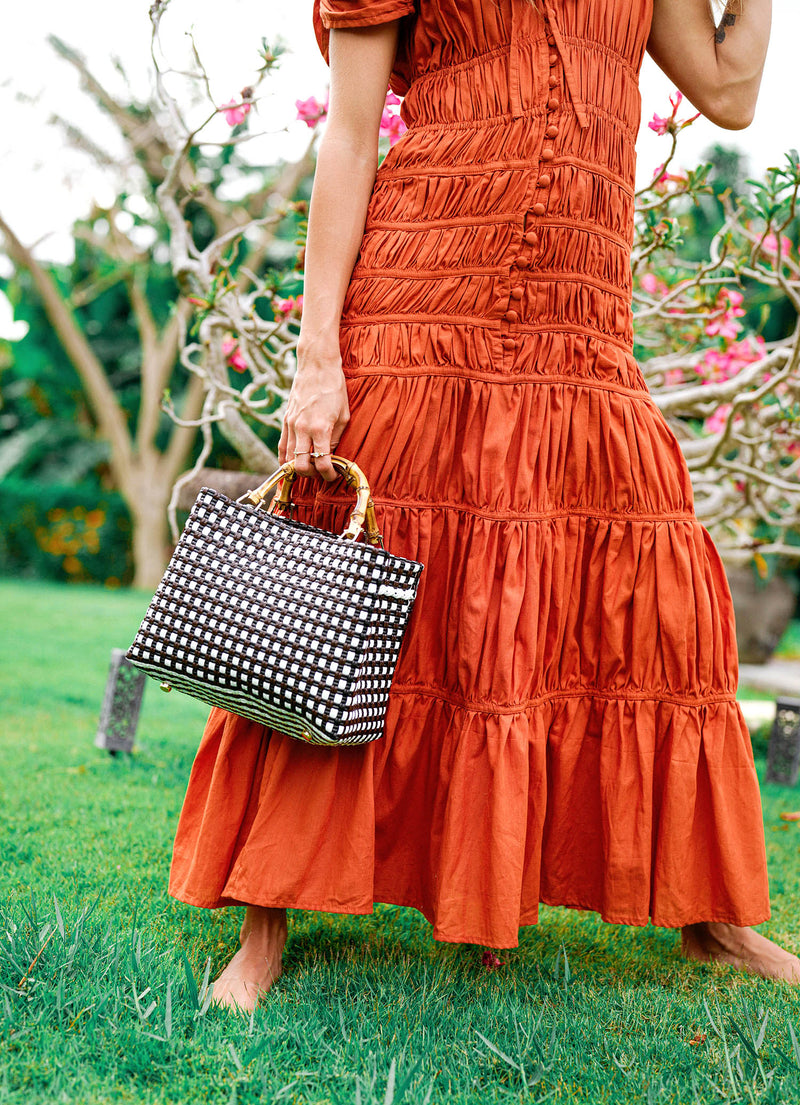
{"points": [[727, 20]]}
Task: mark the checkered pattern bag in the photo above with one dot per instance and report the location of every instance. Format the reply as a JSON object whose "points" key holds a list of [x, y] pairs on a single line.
{"points": [[278, 621]]}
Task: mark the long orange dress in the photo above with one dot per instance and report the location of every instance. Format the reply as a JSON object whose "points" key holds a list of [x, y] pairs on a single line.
{"points": [[563, 725]]}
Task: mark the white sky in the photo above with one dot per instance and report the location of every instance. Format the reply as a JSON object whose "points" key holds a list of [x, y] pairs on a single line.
{"points": [[44, 186]]}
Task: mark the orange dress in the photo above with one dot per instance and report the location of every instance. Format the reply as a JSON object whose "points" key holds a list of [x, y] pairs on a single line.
{"points": [[563, 725]]}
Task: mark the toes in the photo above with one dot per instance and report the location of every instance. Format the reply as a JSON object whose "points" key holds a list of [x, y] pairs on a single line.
{"points": [[234, 994]]}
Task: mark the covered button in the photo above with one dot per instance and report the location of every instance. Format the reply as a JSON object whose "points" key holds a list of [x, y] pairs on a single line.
{"points": [[543, 181], [509, 345], [531, 238], [553, 59], [551, 131], [516, 291], [539, 209], [552, 81], [511, 316], [553, 103], [547, 154]]}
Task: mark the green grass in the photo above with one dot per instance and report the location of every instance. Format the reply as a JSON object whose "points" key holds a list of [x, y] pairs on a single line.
{"points": [[114, 1003], [789, 647]]}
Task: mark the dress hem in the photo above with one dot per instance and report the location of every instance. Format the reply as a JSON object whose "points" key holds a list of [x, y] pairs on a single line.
{"points": [[440, 936]]}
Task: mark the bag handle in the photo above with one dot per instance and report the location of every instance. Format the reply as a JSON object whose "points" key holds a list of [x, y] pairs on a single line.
{"points": [[363, 515]]}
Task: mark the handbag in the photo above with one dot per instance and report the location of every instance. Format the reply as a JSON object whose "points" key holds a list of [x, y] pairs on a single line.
{"points": [[278, 621]]}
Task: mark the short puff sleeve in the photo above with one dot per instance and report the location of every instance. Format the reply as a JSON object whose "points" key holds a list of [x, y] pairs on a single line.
{"points": [[330, 14]]}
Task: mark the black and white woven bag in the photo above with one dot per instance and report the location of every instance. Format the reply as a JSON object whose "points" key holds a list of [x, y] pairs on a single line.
{"points": [[281, 622]]}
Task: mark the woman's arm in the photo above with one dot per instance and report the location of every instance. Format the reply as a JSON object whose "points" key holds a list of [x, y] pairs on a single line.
{"points": [[720, 74], [317, 412]]}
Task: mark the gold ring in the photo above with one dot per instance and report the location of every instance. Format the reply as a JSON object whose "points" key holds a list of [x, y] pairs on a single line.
{"points": [[316, 456], [302, 452]]}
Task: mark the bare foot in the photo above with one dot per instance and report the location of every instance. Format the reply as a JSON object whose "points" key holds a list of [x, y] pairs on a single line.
{"points": [[743, 948], [257, 964]]}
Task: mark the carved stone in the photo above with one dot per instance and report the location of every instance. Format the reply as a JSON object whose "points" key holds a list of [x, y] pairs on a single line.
{"points": [[783, 754], [762, 612], [121, 705], [232, 484]]}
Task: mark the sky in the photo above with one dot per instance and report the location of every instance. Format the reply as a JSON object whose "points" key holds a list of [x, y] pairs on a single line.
{"points": [[44, 185]]}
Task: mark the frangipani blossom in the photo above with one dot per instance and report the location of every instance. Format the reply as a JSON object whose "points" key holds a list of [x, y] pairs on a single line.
{"points": [[662, 179], [673, 377], [770, 245], [292, 306], [723, 364], [725, 324], [670, 124], [310, 111], [235, 112], [654, 285], [715, 423], [659, 123], [392, 126], [233, 354]]}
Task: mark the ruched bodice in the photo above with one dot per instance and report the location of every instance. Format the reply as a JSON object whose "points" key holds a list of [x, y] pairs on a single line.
{"points": [[563, 724]]}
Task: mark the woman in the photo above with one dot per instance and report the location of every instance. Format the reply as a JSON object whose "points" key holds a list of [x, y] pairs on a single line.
{"points": [[563, 724]]}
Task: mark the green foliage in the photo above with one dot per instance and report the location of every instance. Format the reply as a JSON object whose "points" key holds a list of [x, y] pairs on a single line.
{"points": [[114, 1004], [78, 532]]}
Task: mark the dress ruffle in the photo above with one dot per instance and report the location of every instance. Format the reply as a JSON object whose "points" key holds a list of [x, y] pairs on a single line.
{"points": [[563, 725]]}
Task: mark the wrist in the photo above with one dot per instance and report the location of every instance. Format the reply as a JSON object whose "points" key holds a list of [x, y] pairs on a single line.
{"points": [[319, 350]]}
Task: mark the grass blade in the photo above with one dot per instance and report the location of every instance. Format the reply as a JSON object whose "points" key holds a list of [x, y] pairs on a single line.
{"points": [[190, 983], [501, 1054], [168, 1010], [59, 919], [389, 1096], [795, 1045]]}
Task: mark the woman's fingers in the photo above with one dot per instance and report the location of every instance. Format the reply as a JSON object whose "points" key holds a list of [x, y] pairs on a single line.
{"points": [[323, 464], [301, 456]]}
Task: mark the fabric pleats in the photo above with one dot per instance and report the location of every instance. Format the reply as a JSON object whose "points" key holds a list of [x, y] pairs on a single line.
{"points": [[563, 726]]}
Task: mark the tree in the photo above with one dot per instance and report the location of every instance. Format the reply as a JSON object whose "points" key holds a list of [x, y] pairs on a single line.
{"points": [[146, 450]]}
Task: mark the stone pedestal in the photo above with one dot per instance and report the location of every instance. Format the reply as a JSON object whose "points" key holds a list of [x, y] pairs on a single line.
{"points": [[783, 755], [121, 705]]}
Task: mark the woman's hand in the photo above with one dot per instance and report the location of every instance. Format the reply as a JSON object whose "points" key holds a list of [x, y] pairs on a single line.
{"points": [[316, 414]]}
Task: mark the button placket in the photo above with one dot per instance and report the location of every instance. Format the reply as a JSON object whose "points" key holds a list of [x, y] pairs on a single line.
{"points": [[530, 236]]}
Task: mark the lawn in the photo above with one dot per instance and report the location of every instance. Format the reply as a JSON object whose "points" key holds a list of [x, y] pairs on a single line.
{"points": [[105, 978]]}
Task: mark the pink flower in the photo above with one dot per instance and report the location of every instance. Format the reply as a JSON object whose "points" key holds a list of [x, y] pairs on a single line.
{"points": [[722, 364], [311, 110], [661, 178], [492, 961], [653, 285], [673, 376], [670, 124], [233, 354], [392, 126], [287, 307], [770, 245], [235, 112], [715, 422], [659, 124], [729, 309]]}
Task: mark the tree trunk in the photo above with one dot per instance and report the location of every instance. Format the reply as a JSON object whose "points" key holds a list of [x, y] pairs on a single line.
{"points": [[147, 499]]}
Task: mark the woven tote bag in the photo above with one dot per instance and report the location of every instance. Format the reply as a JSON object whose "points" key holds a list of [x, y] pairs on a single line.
{"points": [[280, 622]]}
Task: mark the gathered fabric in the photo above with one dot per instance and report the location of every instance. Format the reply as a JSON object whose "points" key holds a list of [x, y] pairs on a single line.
{"points": [[563, 725]]}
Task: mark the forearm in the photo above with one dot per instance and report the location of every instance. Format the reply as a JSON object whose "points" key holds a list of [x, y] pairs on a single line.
{"points": [[343, 183], [361, 61], [719, 72]]}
